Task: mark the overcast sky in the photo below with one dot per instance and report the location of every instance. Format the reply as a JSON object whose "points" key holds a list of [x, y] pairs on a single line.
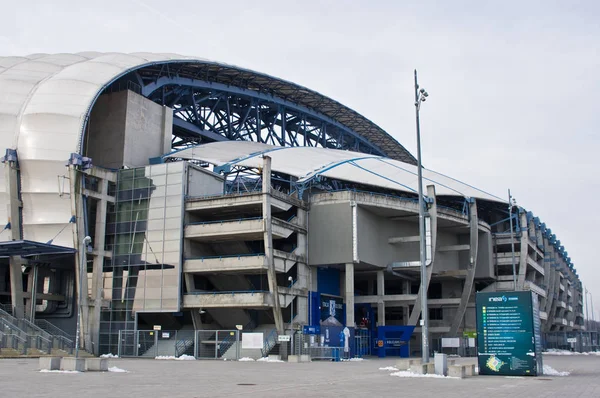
{"points": [[514, 85]]}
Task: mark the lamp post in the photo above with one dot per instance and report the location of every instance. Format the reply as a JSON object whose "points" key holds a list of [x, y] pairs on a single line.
{"points": [[420, 97], [511, 203], [82, 271]]}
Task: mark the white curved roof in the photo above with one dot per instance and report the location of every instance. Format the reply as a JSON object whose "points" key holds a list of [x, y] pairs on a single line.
{"points": [[44, 100], [308, 162]]}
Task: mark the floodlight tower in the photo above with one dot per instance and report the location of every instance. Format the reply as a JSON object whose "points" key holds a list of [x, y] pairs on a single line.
{"points": [[420, 97]]}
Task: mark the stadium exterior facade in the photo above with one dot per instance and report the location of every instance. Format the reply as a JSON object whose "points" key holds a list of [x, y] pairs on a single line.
{"points": [[217, 197]]}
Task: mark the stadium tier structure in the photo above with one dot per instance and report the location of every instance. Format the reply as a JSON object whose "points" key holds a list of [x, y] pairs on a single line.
{"points": [[219, 198]]}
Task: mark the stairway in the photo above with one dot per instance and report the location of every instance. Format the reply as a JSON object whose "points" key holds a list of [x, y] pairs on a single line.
{"points": [[27, 338]]}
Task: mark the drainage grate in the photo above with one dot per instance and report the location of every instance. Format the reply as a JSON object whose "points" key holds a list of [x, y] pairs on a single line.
{"points": [[246, 384], [544, 379]]}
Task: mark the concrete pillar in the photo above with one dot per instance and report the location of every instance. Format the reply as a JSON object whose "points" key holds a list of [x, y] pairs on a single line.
{"points": [[16, 286], [416, 312], [268, 242], [75, 177], [524, 251], [380, 302], [191, 287], [98, 267], [471, 268], [349, 294], [11, 170]]}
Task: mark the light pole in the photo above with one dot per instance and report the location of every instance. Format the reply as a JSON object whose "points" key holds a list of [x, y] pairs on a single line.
{"points": [[420, 96], [291, 280], [511, 203], [587, 315], [82, 271]]}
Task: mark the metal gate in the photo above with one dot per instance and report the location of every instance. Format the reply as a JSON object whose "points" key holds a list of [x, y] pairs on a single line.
{"points": [[217, 344], [155, 343]]}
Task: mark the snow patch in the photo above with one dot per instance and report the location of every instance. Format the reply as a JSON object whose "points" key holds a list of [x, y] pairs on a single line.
{"points": [[549, 371], [109, 356], [266, 359], [114, 369], [390, 368], [181, 358], [352, 360], [246, 359], [185, 358], [403, 373], [58, 371], [553, 351]]}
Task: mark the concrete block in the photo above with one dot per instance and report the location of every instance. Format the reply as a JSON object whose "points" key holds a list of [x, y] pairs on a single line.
{"points": [[456, 371], [70, 363], [305, 358], [420, 369], [470, 370], [49, 363], [405, 364], [430, 368], [96, 364], [293, 358], [451, 362]]}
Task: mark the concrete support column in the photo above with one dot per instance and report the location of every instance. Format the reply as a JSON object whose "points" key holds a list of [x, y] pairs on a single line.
{"points": [[416, 312], [98, 267], [380, 302], [75, 177], [11, 170], [471, 268], [524, 251], [349, 294], [268, 242], [16, 287]]}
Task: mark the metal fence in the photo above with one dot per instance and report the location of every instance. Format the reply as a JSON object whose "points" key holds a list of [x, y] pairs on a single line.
{"points": [[571, 341], [201, 344]]}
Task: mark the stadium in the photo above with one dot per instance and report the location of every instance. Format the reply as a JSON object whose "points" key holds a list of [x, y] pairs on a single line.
{"points": [[218, 199]]}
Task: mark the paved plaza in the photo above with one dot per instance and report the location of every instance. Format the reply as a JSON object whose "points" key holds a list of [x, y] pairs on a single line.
{"points": [[168, 378]]}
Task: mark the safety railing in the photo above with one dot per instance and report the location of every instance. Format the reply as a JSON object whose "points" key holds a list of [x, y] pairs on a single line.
{"points": [[269, 342], [230, 292], [239, 256], [65, 341], [239, 220], [13, 342]]}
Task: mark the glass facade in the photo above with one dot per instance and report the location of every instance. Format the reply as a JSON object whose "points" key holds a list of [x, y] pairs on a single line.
{"points": [[144, 231]]}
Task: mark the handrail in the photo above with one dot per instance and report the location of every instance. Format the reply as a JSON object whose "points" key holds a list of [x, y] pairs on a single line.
{"points": [[54, 330], [232, 292], [226, 256], [225, 221], [267, 346]]}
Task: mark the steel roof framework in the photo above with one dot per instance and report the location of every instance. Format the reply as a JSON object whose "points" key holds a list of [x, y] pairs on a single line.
{"points": [[216, 102]]}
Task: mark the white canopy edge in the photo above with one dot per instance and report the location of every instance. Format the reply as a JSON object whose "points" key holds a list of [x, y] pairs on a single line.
{"points": [[306, 163]]}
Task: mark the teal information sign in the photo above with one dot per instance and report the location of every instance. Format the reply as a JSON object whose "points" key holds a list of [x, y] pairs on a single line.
{"points": [[508, 334]]}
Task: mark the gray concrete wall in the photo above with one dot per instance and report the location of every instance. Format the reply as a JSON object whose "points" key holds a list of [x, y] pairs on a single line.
{"points": [[203, 183], [149, 128], [125, 128], [485, 261], [373, 247], [106, 134], [330, 234]]}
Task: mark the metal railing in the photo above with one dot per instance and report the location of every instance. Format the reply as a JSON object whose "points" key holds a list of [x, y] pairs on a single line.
{"points": [[64, 340], [269, 342], [238, 220], [13, 342]]}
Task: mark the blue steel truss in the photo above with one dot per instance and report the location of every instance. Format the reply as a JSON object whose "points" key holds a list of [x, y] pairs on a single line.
{"points": [[216, 102]]}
